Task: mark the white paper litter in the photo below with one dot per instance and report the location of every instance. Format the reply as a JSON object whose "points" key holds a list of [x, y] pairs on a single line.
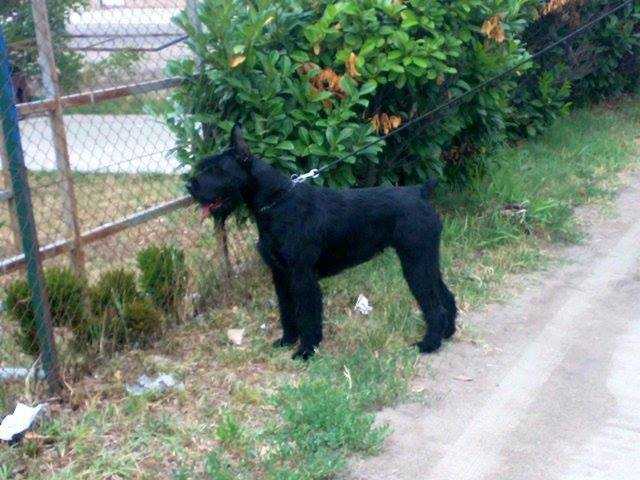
{"points": [[362, 305], [19, 421], [235, 335], [160, 384]]}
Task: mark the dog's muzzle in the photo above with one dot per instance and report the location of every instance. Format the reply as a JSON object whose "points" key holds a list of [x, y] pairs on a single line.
{"points": [[207, 209]]}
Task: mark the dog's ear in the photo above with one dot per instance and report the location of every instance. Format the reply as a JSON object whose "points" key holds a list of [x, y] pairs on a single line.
{"points": [[239, 145]]}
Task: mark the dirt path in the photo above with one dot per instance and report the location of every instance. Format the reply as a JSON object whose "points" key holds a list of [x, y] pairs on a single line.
{"points": [[552, 391]]}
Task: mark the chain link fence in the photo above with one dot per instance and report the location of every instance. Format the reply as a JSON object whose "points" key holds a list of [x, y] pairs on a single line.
{"points": [[89, 176]]}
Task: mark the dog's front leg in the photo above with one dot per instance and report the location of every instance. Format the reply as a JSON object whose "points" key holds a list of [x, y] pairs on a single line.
{"points": [[307, 300], [282, 283]]}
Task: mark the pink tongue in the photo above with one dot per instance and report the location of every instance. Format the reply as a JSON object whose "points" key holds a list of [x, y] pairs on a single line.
{"points": [[207, 209], [205, 212]]}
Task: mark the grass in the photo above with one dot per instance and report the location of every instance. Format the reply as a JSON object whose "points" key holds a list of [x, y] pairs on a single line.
{"points": [[249, 412]]}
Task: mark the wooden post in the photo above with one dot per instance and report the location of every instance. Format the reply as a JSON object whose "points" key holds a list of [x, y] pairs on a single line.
{"points": [[51, 84], [11, 206]]}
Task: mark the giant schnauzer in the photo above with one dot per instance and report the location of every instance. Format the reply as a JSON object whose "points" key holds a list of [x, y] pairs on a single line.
{"points": [[307, 233]]}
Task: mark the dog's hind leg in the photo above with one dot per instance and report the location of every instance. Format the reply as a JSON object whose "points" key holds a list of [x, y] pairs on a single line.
{"points": [[307, 299], [449, 302], [423, 276], [290, 332]]}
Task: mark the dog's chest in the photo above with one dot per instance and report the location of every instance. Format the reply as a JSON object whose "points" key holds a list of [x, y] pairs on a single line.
{"points": [[270, 250]]}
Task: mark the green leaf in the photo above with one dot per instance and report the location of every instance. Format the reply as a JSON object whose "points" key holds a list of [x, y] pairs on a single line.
{"points": [[420, 62], [286, 145], [300, 56], [368, 87]]}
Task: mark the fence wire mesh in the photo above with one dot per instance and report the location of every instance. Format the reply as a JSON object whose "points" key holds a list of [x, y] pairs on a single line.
{"points": [[104, 182]]}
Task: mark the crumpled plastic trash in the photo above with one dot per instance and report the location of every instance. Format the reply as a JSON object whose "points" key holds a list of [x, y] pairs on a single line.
{"points": [[8, 374], [15, 425], [160, 384], [362, 305]]}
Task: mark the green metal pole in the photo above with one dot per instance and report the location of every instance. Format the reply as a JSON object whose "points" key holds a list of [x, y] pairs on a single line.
{"points": [[24, 211]]}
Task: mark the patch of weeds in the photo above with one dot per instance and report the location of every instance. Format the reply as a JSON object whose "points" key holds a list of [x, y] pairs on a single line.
{"points": [[327, 414], [320, 419], [217, 467], [244, 394], [229, 431], [6, 471]]}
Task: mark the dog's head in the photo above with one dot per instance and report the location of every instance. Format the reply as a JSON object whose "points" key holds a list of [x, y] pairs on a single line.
{"points": [[217, 182]]}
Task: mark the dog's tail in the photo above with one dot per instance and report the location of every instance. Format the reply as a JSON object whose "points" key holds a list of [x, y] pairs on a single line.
{"points": [[427, 188]]}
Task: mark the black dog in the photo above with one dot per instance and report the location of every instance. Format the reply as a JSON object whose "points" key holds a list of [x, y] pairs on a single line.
{"points": [[307, 233]]}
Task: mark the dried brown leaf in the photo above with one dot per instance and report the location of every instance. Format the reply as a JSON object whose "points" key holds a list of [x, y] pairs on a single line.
{"points": [[328, 80], [385, 123], [352, 69], [492, 28]]}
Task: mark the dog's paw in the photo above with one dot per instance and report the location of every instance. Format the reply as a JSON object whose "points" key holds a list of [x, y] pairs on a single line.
{"points": [[304, 353], [284, 342], [428, 345]]}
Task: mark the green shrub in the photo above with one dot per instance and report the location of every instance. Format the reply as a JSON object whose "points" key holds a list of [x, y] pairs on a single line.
{"points": [[112, 290], [66, 300], [312, 81], [122, 315], [20, 309], [66, 297], [163, 276], [603, 61], [138, 323]]}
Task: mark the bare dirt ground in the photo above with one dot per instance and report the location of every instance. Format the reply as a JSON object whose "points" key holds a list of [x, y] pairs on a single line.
{"points": [[551, 390]]}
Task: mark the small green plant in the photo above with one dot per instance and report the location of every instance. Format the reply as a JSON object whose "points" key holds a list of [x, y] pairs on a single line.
{"points": [[66, 297], [113, 288], [66, 300], [163, 276], [217, 468], [123, 316], [138, 322], [20, 309], [229, 431]]}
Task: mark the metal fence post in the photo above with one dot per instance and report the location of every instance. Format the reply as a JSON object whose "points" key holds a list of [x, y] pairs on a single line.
{"points": [[51, 84], [24, 211]]}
